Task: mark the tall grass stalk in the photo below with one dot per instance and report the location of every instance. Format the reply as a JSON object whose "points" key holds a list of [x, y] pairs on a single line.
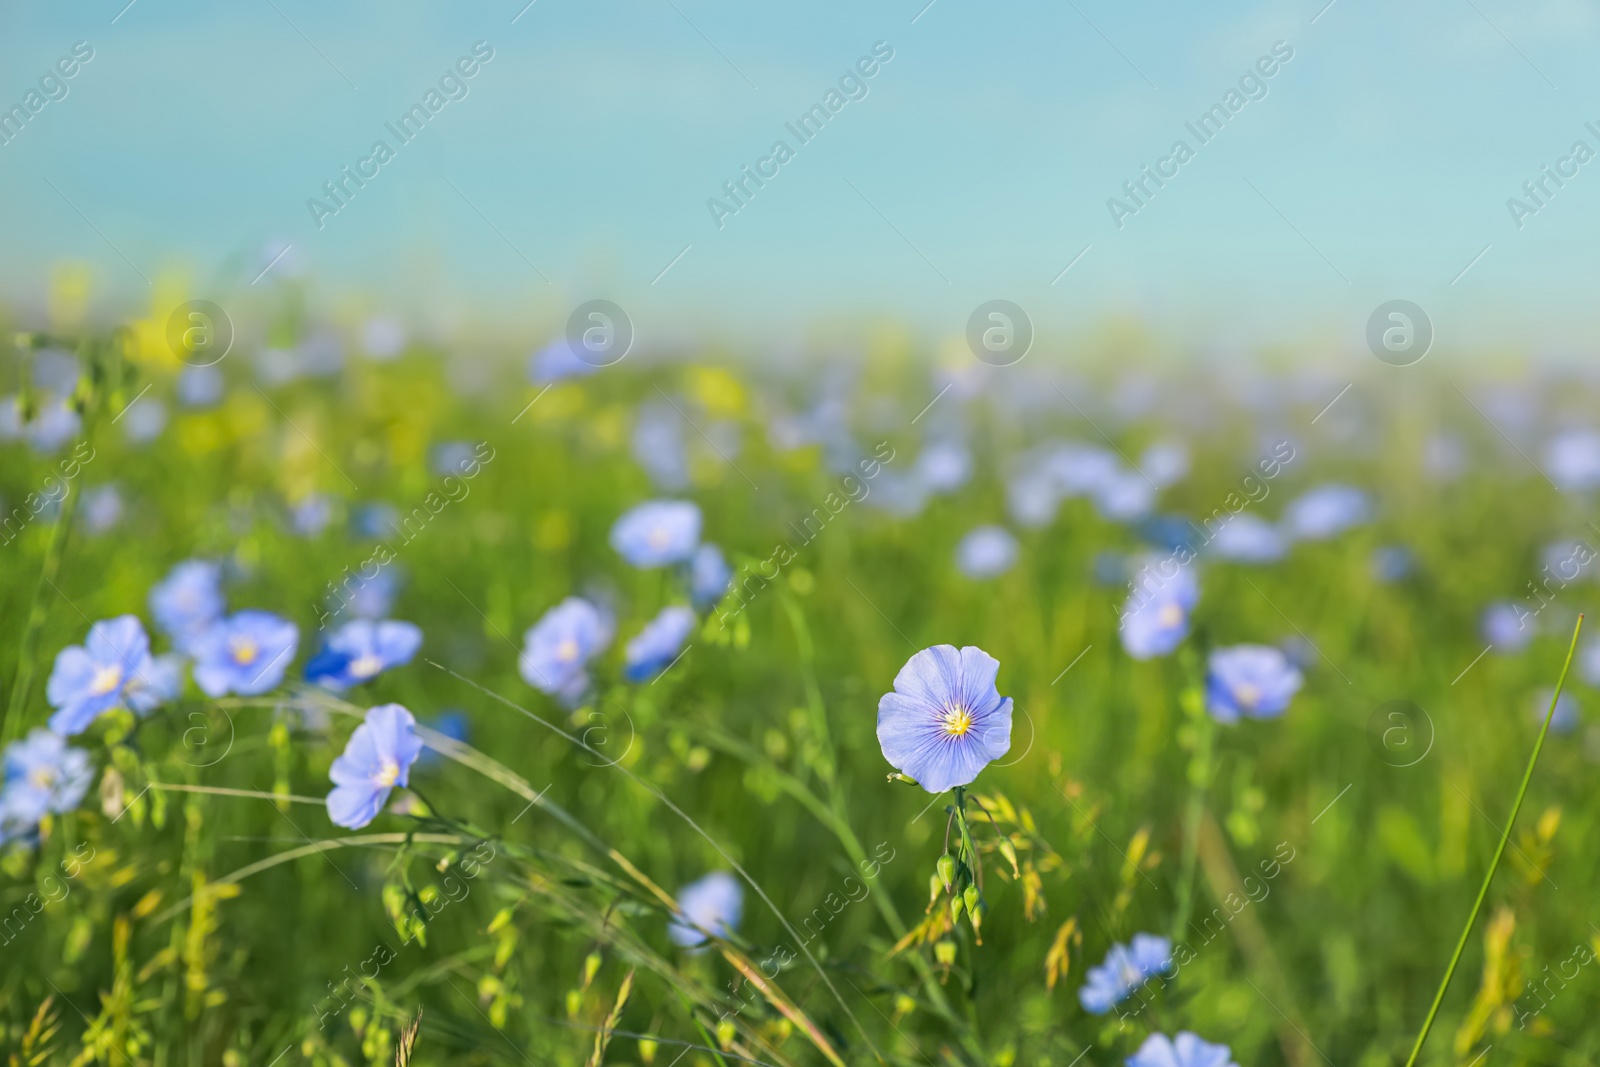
{"points": [[1505, 836]]}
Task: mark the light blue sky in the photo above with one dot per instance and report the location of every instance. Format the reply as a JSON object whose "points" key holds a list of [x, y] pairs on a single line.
{"points": [[978, 166]]}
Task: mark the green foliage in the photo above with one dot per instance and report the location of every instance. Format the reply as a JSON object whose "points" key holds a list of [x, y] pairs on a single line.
{"points": [[522, 902]]}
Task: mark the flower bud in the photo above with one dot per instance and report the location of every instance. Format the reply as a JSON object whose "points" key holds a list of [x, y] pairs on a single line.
{"points": [[972, 897], [946, 868], [945, 953]]}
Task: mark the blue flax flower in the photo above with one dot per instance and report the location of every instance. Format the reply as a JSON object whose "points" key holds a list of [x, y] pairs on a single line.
{"points": [[187, 600], [377, 758], [945, 720], [712, 904], [556, 649], [160, 682], [1249, 539], [1325, 511], [1505, 626], [92, 678], [944, 466], [986, 552], [557, 362], [1126, 968], [1156, 618], [1565, 719], [245, 653], [1573, 459], [1187, 1050], [657, 533], [658, 644], [709, 575], [42, 775], [361, 650], [1254, 680]]}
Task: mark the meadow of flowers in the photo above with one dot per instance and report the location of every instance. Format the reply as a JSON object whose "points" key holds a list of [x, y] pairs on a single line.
{"points": [[368, 703]]}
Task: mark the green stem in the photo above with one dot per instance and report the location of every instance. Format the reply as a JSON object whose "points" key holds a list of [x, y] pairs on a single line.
{"points": [[1199, 774], [1483, 891], [11, 715]]}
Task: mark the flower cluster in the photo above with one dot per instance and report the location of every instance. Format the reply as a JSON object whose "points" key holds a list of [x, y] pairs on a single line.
{"points": [[558, 649]]}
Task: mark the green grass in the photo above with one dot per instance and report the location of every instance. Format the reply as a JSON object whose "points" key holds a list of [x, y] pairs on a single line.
{"points": [[758, 749]]}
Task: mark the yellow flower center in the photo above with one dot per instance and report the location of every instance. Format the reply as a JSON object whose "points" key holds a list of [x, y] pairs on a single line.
{"points": [[957, 720], [1170, 615], [105, 680], [366, 666], [1247, 694], [567, 650], [44, 777], [388, 773], [244, 650]]}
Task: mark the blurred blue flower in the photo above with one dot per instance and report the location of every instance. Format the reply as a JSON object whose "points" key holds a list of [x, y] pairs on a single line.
{"points": [[187, 600], [1565, 719], [360, 650], [557, 648], [1588, 662], [1326, 511], [376, 520], [90, 679], [658, 644], [1254, 680], [454, 724], [1248, 538], [1572, 459], [159, 682], [1444, 457], [377, 758], [1155, 620], [709, 576], [383, 338], [200, 387], [1165, 463], [556, 362], [1032, 498], [1188, 1050], [657, 533], [901, 494], [712, 904], [1392, 563], [452, 457], [101, 508], [55, 423], [1169, 533], [43, 775], [374, 597], [1125, 496], [944, 466], [246, 653], [1081, 470], [1505, 625], [1566, 560], [986, 552], [659, 448], [945, 720], [1125, 968], [312, 514], [143, 422]]}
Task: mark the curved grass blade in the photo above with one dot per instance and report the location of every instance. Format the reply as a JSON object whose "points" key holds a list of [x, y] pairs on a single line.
{"points": [[1488, 876]]}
